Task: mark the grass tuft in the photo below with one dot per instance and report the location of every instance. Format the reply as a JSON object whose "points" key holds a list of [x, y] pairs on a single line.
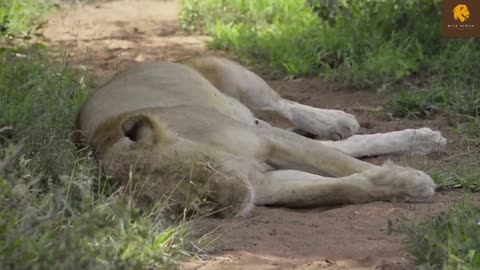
{"points": [[448, 241]]}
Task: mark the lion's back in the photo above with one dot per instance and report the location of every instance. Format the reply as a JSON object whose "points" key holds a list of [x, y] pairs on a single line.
{"points": [[148, 85]]}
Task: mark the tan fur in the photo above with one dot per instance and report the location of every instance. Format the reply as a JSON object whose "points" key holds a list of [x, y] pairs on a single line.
{"points": [[183, 174], [166, 130], [242, 84]]}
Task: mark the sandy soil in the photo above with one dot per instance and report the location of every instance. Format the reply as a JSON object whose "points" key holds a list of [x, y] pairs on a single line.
{"points": [[348, 237], [106, 36]]}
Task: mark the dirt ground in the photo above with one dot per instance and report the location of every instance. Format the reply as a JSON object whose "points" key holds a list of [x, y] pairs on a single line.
{"points": [[107, 36]]}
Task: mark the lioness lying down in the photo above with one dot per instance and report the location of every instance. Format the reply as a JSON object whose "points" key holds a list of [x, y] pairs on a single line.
{"points": [[199, 110]]}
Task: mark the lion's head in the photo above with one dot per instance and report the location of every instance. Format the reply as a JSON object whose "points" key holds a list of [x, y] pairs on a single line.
{"points": [[461, 13], [135, 150]]}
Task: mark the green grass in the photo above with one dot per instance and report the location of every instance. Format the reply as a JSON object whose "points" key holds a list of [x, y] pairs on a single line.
{"points": [[22, 18], [254, 29], [360, 42], [50, 217], [448, 241]]}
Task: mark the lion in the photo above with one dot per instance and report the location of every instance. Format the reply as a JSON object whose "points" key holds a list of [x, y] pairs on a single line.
{"points": [[188, 127], [461, 13]]}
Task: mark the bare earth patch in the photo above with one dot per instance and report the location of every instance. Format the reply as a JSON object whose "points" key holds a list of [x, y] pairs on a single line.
{"points": [[349, 237], [106, 36]]}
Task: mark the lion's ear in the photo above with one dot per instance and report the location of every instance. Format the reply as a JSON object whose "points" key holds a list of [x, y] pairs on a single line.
{"points": [[139, 128], [142, 129]]}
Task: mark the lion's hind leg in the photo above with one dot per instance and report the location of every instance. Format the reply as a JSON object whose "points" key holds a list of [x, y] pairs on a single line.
{"points": [[293, 188], [250, 89], [324, 123]]}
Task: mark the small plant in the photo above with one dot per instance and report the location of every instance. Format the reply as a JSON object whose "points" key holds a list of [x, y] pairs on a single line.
{"points": [[414, 104]]}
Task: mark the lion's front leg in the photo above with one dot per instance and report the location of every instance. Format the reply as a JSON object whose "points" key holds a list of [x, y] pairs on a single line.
{"points": [[414, 141], [299, 189], [288, 150]]}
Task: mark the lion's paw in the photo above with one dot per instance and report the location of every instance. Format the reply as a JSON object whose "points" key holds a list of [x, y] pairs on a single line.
{"points": [[325, 124], [397, 183], [425, 140]]}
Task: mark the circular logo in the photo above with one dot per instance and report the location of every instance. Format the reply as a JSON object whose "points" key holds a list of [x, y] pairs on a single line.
{"points": [[461, 13]]}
